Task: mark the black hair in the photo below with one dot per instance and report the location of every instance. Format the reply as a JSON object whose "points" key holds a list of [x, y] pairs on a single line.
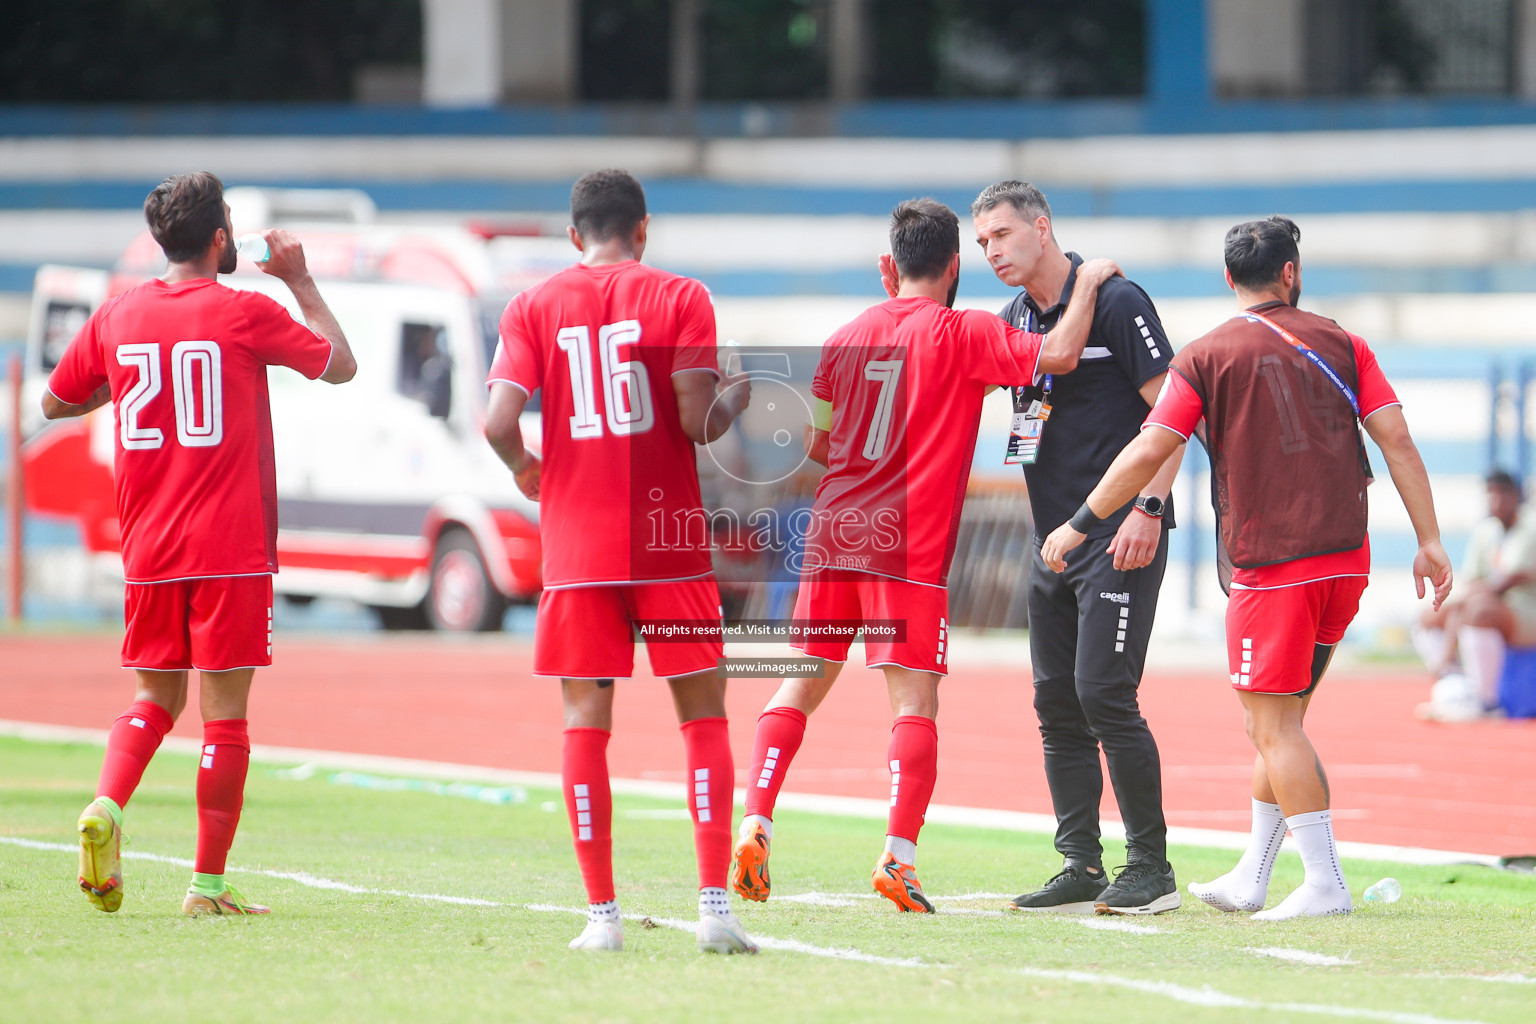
{"points": [[925, 236], [1257, 251], [183, 212], [606, 205], [1504, 480]]}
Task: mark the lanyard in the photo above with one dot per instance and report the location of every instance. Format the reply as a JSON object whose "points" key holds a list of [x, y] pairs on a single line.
{"points": [[1028, 325], [1305, 350]]}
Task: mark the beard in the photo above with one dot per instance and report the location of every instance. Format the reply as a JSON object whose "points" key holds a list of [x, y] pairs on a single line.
{"points": [[1295, 292], [954, 288], [229, 258]]}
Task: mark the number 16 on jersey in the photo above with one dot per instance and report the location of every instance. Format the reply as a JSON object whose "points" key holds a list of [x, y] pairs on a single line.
{"points": [[626, 383]]}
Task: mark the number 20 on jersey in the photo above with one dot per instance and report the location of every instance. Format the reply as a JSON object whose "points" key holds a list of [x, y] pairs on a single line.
{"points": [[197, 392]]}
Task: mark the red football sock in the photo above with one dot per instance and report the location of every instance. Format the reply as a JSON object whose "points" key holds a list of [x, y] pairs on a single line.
{"points": [[779, 732], [589, 804], [220, 791], [914, 757], [135, 737], [712, 782]]}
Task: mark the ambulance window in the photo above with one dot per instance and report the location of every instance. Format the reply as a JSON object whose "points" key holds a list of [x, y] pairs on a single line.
{"points": [[426, 367], [61, 322]]}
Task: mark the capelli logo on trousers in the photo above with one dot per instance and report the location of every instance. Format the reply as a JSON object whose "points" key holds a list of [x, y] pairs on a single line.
{"points": [[1117, 598]]}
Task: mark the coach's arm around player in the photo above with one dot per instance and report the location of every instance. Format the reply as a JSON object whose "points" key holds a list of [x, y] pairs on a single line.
{"points": [[1060, 350]]}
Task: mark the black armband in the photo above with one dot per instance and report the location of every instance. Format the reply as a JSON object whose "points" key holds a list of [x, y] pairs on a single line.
{"points": [[1084, 520]]}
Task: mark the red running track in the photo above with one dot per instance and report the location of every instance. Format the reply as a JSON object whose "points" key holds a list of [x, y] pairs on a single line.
{"points": [[1395, 779]]}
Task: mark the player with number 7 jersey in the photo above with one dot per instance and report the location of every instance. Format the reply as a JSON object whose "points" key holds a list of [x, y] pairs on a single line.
{"points": [[898, 394], [184, 361]]}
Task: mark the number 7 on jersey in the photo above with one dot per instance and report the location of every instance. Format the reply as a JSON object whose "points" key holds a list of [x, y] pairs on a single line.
{"points": [[887, 372]]}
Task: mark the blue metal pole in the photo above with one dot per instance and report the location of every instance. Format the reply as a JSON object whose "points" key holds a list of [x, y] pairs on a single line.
{"points": [[1178, 63], [1495, 398], [1522, 440]]}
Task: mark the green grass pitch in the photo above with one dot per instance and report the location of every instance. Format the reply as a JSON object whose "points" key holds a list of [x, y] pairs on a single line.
{"points": [[352, 936]]}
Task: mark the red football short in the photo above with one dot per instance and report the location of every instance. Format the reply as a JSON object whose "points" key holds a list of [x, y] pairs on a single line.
{"points": [[1271, 633], [215, 624], [834, 594], [589, 632]]}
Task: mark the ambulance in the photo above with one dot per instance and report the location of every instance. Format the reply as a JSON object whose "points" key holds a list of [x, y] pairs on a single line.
{"points": [[388, 493]]}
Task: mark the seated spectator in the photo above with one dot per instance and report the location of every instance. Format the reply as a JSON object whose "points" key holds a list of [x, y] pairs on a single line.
{"points": [[1495, 605]]}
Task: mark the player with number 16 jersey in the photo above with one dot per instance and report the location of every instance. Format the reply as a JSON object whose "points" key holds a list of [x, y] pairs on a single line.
{"points": [[623, 356], [619, 481]]}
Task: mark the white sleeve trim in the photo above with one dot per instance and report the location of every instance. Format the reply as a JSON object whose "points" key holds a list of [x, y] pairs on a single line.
{"points": [[1378, 409], [503, 380], [58, 399], [1166, 427], [328, 359]]}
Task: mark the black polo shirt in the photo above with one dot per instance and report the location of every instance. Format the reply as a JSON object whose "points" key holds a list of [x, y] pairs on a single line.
{"points": [[1097, 409]]}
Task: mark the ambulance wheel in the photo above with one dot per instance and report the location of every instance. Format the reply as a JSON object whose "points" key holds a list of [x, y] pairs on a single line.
{"points": [[460, 596]]}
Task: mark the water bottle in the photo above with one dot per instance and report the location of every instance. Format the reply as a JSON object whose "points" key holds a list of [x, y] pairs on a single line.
{"points": [[1388, 890], [253, 247]]}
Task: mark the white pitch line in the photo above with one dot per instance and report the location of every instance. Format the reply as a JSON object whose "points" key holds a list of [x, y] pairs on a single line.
{"points": [[853, 807], [1505, 979], [1112, 925], [818, 899], [1299, 956], [1179, 993], [1103, 924]]}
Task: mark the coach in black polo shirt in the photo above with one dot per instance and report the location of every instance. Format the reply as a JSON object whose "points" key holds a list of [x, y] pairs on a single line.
{"points": [[1088, 627]]}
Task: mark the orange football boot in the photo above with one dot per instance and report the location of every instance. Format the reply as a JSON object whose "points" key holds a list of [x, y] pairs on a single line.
{"points": [[749, 865], [898, 883]]}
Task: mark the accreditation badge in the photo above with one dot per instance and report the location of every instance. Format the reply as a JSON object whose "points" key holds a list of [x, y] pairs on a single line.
{"points": [[1028, 427]]}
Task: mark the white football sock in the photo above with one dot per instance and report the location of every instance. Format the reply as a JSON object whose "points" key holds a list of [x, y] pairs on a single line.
{"points": [[1246, 886], [904, 850], [1322, 891], [603, 912], [755, 819], [1482, 658], [1430, 645], [712, 900]]}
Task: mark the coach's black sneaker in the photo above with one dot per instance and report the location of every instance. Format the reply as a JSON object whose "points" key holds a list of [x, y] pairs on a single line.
{"points": [[1073, 890], [1145, 887]]}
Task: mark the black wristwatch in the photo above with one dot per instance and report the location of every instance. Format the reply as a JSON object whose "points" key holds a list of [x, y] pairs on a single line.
{"points": [[1149, 505]]}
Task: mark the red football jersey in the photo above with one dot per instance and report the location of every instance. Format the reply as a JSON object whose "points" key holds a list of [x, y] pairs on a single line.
{"points": [[187, 364], [906, 381], [619, 492]]}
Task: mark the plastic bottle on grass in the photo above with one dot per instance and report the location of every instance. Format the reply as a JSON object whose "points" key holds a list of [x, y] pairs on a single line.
{"points": [[1388, 890], [253, 247]]}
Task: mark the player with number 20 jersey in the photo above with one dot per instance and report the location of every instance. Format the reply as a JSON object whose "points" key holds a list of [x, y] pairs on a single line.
{"points": [[184, 361]]}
